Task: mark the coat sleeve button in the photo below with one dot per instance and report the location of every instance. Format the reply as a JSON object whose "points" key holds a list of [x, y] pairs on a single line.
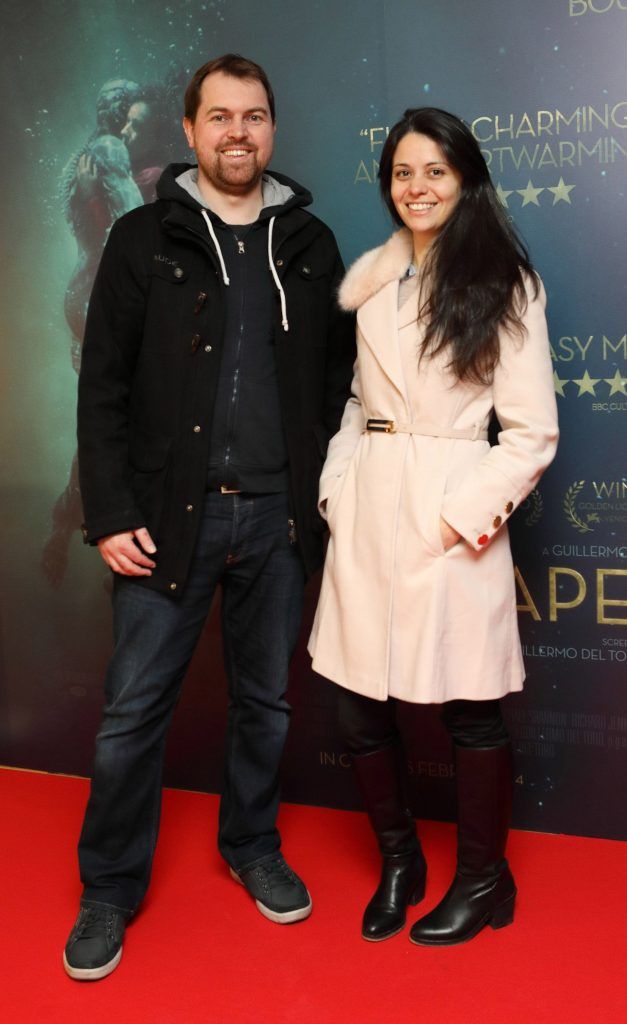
{"points": [[496, 522], [483, 539], [509, 507]]}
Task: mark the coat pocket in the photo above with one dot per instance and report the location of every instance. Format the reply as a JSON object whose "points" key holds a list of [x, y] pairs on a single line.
{"points": [[429, 516], [149, 460]]}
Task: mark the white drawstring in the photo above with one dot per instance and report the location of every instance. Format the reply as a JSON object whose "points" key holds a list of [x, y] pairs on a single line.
{"points": [[284, 319], [225, 276]]}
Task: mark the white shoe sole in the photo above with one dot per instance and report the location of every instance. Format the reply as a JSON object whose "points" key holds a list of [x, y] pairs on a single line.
{"points": [[92, 973], [288, 917]]}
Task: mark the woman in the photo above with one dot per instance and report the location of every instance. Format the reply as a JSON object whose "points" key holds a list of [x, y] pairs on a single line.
{"points": [[418, 600]]}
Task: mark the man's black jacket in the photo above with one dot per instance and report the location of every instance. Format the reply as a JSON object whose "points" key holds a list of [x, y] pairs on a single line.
{"points": [[150, 368]]}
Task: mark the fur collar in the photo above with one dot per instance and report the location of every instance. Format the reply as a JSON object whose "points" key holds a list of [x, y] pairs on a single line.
{"points": [[376, 268]]}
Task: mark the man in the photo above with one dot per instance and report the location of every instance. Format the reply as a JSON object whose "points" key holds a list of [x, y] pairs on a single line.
{"points": [[216, 366]]}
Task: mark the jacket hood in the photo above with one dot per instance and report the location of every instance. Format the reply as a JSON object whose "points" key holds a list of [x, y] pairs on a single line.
{"points": [[179, 183], [376, 268]]}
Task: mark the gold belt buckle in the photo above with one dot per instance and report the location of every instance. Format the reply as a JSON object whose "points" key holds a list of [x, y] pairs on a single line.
{"points": [[381, 426], [228, 490]]}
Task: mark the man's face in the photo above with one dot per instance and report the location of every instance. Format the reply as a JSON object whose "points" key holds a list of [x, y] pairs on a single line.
{"points": [[232, 133]]}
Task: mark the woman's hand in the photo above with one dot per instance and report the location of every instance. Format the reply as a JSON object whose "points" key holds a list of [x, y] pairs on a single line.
{"points": [[449, 536]]}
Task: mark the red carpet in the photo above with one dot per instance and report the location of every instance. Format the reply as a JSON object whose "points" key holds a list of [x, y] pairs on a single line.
{"points": [[201, 953]]}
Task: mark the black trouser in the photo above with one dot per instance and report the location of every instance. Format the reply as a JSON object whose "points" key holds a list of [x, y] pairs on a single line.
{"points": [[369, 724]]}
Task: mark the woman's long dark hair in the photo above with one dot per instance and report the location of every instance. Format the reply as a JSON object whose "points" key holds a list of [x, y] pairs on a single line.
{"points": [[476, 267]]}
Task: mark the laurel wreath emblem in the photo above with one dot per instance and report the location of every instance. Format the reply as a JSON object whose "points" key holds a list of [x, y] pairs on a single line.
{"points": [[571, 510], [536, 508]]}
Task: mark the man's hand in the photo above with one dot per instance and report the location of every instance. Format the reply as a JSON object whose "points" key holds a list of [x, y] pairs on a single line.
{"points": [[449, 536], [122, 554]]}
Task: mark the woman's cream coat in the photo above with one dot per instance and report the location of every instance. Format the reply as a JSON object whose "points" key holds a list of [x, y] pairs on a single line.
{"points": [[398, 616]]}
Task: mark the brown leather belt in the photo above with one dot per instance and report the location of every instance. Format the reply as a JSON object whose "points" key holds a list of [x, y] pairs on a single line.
{"points": [[475, 433]]}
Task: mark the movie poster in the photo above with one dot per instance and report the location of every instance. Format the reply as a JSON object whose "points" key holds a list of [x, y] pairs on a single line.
{"points": [[92, 112]]}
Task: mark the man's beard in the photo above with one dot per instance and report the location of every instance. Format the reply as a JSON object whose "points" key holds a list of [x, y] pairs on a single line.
{"points": [[236, 179]]}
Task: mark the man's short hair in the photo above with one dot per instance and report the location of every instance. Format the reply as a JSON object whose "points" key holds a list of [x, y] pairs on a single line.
{"points": [[229, 64]]}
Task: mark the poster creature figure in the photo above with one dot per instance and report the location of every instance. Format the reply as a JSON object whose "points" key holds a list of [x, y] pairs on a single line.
{"points": [[114, 172], [97, 188]]}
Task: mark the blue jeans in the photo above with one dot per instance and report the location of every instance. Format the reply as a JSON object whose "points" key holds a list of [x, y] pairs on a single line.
{"points": [[243, 544]]}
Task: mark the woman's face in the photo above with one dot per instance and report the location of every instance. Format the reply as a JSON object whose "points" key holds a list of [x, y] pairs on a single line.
{"points": [[136, 133], [425, 188]]}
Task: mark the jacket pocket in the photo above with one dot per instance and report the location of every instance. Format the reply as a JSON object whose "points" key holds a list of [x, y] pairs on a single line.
{"points": [[170, 270], [311, 270], [309, 292], [149, 461]]}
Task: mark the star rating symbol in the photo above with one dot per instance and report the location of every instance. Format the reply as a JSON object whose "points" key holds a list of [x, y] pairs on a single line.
{"points": [[503, 193], [530, 194], [561, 192], [558, 384], [587, 384], [617, 384]]}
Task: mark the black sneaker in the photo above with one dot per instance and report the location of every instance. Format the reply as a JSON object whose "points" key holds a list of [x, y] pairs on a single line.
{"points": [[94, 947], [279, 893]]}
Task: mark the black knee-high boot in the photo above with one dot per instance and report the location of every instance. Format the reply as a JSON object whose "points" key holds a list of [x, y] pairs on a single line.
{"points": [[483, 890], [404, 872]]}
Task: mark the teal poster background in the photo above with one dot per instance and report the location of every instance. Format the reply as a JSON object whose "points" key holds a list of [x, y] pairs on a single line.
{"points": [[543, 84]]}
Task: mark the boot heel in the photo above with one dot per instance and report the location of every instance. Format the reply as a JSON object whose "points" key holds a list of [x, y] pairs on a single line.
{"points": [[504, 914], [418, 892]]}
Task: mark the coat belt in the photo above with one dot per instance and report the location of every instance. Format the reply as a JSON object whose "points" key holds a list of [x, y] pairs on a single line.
{"points": [[426, 430]]}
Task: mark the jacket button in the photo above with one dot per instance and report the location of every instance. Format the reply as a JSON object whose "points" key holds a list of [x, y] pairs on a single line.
{"points": [[496, 522], [509, 507], [483, 539], [196, 429], [279, 263], [207, 348], [189, 508], [173, 586], [306, 270], [178, 272]]}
